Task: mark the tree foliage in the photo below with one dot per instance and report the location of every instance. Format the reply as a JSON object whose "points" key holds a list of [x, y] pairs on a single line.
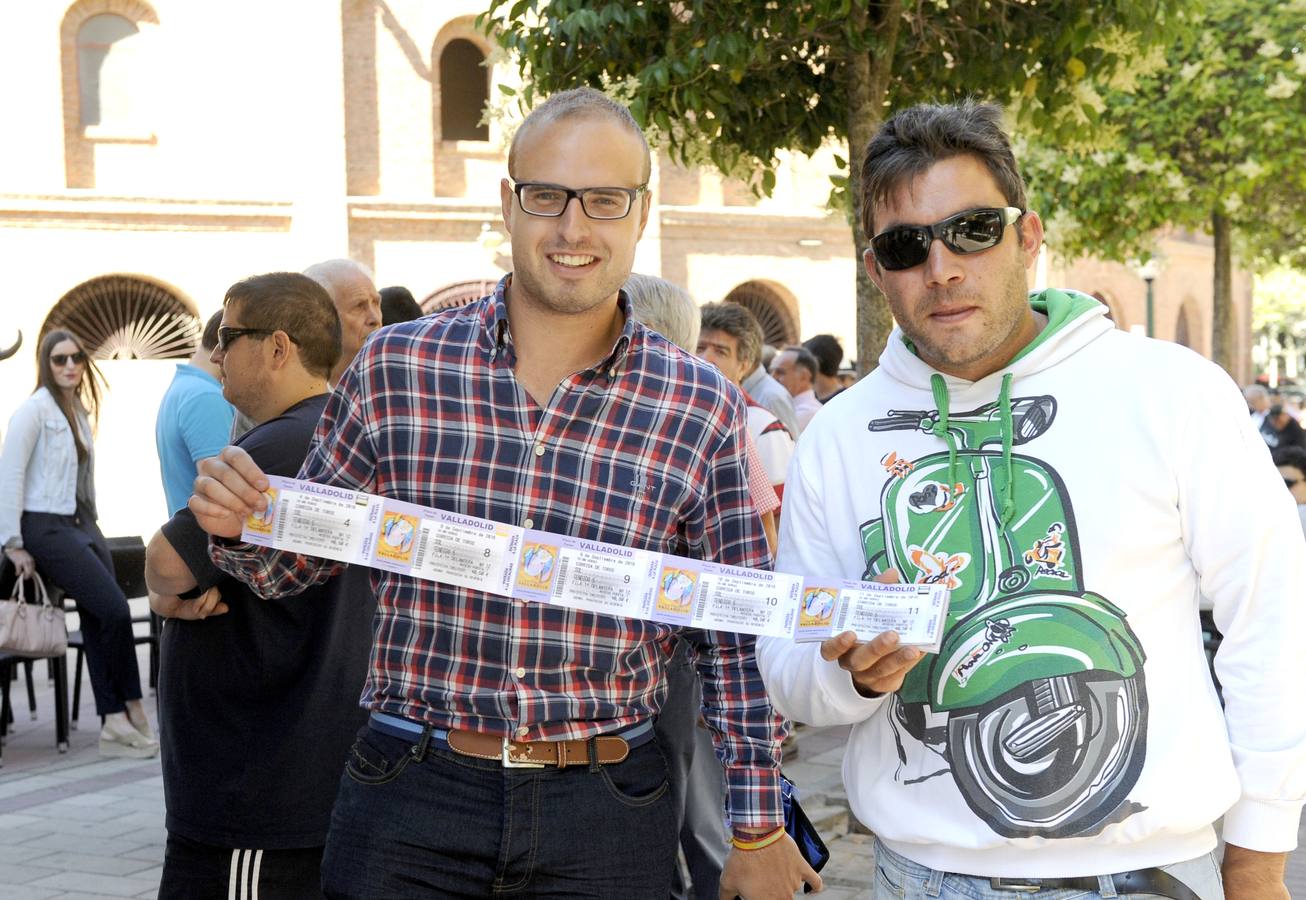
{"points": [[732, 84], [1215, 140]]}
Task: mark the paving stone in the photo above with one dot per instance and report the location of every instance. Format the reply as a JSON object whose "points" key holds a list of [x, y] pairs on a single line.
{"points": [[104, 885], [69, 861], [27, 892], [22, 873], [83, 844]]}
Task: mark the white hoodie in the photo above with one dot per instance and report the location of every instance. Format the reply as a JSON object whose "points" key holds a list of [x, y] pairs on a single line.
{"points": [[1069, 725]]}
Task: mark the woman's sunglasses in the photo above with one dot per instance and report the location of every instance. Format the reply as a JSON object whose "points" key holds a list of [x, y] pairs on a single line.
{"points": [[59, 360], [907, 246]]}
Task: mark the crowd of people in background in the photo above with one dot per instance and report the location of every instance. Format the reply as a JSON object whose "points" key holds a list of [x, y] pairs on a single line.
{"points": [[1279, 414]]}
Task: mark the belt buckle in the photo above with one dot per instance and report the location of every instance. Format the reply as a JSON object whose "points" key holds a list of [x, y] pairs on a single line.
{"points": [[510, 763], [1015, 885]]}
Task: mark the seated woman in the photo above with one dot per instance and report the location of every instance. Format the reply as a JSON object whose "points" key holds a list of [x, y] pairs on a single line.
{"points": [[47, 524]]}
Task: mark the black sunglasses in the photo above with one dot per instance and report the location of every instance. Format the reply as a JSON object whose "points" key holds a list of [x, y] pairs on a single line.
{"points": [[906, 246], [59, 360], [228, 334]]}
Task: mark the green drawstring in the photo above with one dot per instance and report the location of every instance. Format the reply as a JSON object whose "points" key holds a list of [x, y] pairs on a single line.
{"points": [[940, 388], [1008, 490]]}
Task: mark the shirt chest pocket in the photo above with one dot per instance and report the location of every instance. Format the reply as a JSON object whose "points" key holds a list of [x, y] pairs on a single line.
{"points": [[55, 448]]}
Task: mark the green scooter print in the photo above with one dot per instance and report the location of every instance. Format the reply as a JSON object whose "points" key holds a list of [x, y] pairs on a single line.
{"points": [[1036, 702]]}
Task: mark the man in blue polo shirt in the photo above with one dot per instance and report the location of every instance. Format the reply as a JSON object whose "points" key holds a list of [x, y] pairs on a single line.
{"points": [[194, 421]]}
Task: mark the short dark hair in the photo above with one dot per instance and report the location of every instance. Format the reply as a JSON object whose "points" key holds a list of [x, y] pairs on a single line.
{"points": [[399, 305], [828, 352], [297, 305], [804, 357], [1290, 455], [209, 338], [738, 322], [912, 141]]}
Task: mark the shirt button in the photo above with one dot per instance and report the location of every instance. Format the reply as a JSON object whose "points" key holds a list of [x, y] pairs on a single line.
{"points": [[520, 673], [612, 373], [528, 523], [539, 449], [523, 731]]}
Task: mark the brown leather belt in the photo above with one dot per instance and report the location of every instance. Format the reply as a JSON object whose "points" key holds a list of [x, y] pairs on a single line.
{"points": [[608, 749], [603, 750]]}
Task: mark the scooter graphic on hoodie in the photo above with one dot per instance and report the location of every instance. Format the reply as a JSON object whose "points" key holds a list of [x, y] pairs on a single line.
{"points": [[1036, 700]]}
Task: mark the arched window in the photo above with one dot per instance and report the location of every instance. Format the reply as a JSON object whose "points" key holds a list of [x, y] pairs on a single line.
{"points": [[773, 313], [106, 69], [127, 317], [460, 293], [464, 91]]}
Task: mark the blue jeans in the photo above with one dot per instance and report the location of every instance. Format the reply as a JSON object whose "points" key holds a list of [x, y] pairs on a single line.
{"points": [[445, 825], [896, 876]]}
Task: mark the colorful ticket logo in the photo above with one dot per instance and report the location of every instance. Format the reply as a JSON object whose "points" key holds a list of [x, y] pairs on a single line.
{"points": [[676, 590], [396, 537], [538, 563], [261, 522], [817, 609]]}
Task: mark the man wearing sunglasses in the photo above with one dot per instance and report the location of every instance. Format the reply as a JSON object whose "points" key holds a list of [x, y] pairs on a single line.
{"points": [[257, 698], [1079, 490], [510, 748]]}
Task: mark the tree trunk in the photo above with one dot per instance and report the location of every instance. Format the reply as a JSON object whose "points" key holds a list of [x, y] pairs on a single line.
{"points": [[868, 76], [1222, 325]]}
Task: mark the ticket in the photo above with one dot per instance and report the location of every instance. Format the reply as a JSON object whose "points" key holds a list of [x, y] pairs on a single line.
{"points": [[917, 612], [316, 520], [725, 598], [588, 575], [463, 550]]}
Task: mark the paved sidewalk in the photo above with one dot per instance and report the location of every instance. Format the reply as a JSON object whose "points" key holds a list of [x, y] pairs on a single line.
{"points": [[76, 826]]}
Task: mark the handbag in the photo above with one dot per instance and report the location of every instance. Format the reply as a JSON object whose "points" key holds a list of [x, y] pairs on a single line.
{"points": [[34, 629]]}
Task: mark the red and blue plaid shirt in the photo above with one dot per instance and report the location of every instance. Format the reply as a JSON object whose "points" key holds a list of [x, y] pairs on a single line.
{"points": [[643, 450]]}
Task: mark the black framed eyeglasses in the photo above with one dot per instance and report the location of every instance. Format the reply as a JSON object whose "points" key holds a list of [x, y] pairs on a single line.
{"points": [[907, 246], [59, 360], [229, 334], [538, 198]]}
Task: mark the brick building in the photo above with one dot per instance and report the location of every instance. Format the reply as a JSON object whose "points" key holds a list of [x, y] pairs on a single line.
{"points": [[158, 151]]}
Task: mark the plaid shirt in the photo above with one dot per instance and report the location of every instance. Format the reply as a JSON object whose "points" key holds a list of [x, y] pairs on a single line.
{"points": [[643, 450]]}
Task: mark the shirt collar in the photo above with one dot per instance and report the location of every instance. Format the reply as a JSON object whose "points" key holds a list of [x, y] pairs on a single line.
{"points": [[494, 322]]}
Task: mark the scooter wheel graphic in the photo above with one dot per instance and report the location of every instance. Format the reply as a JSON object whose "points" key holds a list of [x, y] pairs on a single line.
{"points": [[1057, 774]]}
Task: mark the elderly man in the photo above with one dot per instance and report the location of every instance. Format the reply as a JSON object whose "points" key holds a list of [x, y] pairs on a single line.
{"points": [[1080, 490], [795, 367], [357, 301], [534, 406], [258, 700]]}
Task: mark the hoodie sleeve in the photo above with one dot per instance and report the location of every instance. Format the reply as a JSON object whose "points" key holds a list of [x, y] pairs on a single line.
{"points": [[1242, 533], [802, 685]]}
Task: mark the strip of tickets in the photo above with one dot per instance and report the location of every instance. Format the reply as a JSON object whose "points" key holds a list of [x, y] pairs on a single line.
{"points": [[538, 567]]}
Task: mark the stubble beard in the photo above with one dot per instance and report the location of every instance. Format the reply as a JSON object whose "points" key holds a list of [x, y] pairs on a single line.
{"points": [[1002, 320]]}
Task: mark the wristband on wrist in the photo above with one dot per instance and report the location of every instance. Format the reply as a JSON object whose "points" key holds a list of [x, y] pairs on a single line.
{"points": [[765, 840]]}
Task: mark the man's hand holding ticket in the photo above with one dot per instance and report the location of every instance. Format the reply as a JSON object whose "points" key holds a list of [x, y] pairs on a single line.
{"points": [[228, 489], [877, 666]]}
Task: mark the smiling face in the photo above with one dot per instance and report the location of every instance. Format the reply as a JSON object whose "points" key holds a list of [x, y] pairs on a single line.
{"points": [[967, 315], [69, 375], [785, 369], [572, 264]]}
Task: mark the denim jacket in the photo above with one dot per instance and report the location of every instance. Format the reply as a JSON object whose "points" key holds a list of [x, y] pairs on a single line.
{"points": [[38, 464]]}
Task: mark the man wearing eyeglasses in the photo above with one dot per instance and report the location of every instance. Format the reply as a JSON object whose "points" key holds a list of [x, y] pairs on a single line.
{"points": [[510, 746], [1079, 490], [258, 699]]}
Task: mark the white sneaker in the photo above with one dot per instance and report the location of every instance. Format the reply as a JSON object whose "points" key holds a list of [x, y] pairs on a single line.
{"points": [[119, 741]]}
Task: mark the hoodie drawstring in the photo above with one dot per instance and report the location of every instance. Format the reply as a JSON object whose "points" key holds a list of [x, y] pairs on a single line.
{"points": [[1008, 436], [940, 388]]}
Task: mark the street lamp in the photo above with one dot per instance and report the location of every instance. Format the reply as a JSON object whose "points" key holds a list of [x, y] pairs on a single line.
{"points": [[1147, 271]]}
